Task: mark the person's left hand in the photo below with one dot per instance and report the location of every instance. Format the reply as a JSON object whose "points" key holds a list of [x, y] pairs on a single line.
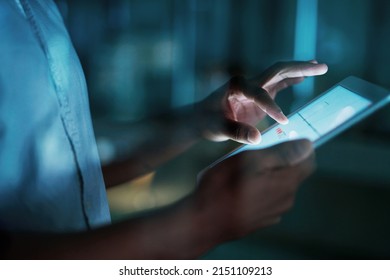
{"points": [[232, 111]]}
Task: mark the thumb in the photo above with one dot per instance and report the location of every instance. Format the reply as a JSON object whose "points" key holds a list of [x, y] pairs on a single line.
{"points": [[286, 154], [241, 132]]}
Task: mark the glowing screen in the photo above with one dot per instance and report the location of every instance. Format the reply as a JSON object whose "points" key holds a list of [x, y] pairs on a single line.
{"points": [[316, 119]]}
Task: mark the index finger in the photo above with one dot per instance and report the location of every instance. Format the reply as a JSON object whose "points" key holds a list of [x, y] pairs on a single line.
{"points": [[260, 97], [267, 104]]}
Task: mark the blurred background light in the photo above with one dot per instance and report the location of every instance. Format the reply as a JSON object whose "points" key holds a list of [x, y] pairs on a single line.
{"points": [[305, 45], [144, 57]]}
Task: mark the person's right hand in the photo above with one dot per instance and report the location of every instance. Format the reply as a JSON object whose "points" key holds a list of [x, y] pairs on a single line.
{"points": [[251, 190], [233, 110]]}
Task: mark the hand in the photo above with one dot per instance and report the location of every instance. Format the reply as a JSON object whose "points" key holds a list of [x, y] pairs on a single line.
{"points": [[232, 111], [253, 189]]}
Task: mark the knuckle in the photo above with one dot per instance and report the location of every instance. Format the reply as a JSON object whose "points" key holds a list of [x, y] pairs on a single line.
{"points": [[240, 133], [237, 133]]}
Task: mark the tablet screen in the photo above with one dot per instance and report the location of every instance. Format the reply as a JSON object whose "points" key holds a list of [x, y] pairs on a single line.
{"points": [[316, 119]]}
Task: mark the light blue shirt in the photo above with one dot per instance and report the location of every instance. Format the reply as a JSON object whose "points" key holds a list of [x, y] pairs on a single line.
{"points": [[50, 174]]}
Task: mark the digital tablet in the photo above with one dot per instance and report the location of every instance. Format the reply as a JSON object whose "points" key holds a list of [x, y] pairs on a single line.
{"points": [[330, 113]]}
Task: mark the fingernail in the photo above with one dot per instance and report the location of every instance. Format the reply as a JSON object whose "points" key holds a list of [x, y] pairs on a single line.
{"points": [[284, 120]]}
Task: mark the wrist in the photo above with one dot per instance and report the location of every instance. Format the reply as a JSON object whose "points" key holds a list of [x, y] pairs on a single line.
{"points": [[196, 228], [208, 223]]}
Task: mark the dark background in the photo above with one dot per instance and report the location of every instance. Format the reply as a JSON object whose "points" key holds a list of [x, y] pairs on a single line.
{"points": [[142, 57]]}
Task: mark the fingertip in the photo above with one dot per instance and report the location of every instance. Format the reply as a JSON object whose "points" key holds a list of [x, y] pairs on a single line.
{"points": [[280, 117], [284, 120], [241, 132], [254, 136], [324, 68], [303, 148], [317, 69]]}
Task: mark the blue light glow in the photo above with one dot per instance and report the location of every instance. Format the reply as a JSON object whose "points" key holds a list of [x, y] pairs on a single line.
{"points": [[315, 120], [305, 44]]}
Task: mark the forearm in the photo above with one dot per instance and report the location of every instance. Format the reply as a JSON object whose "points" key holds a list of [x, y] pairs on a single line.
{"points": [[180, 232], [151, 143]]}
